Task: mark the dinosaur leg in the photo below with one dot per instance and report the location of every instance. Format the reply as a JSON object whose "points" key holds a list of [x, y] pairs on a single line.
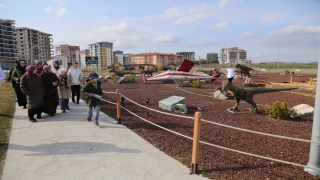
{"points": [[235, 107], [253, 104]]}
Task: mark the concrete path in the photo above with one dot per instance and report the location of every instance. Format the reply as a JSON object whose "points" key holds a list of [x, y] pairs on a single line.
{"points": [[66, 146]]}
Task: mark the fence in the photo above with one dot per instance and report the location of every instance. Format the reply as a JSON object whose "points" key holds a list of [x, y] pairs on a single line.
{"points": [[196, 133]]}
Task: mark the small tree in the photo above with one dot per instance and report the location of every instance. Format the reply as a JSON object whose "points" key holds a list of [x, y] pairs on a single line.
{"points": [[278, 110], [160, 66]]}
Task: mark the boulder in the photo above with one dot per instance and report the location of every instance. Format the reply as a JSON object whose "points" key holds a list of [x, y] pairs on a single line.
{"points": [[219, 95], [304, 111], [186, 84]]}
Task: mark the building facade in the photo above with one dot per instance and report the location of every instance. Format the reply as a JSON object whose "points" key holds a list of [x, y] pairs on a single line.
{"points": [[187, 55], [118, 57], [8, 47], [212, 57], [33, 45], [71, 52], [127, 58], [104, 51], [83, 55], [154, 58], [233, 55]]}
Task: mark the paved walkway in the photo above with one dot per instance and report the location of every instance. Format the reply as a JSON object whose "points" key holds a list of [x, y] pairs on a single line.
{"points": [[66, 146]]}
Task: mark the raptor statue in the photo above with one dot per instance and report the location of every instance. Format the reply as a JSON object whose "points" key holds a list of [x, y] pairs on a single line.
{"points": [[246, 93], [244, 70]]}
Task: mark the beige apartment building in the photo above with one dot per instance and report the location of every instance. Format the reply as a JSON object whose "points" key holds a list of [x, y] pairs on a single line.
{"points": [[83, 55], [155, 57], [233, 55], [104, 51], [33, 45], [71, 52]]}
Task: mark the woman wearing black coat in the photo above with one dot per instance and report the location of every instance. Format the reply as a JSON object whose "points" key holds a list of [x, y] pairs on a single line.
{"points": [[17, 73]]}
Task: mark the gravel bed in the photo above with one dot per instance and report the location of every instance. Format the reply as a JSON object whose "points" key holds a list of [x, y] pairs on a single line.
{"points": [[213, 161]]}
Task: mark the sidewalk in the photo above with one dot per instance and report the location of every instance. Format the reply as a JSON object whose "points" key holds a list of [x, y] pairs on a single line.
{"points": [[66, 146]]}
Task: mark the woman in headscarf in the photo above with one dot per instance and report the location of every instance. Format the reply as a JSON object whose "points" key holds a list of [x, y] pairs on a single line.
{"points": [[13, 82], [56, 67], [17, 73], [32, 86], [50, 82], [64, 89]]}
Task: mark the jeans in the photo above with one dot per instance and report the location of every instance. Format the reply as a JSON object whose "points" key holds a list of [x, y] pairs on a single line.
{"points": [[64, 104], [96, 110], [75, 91]]}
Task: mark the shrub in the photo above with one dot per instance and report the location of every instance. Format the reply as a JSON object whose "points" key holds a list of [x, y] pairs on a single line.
{"points": [[196, 83], [181, 80], [129, 79], [115, 78], [278, 110]]}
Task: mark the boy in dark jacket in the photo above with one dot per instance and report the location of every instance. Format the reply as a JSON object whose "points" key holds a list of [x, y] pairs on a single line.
{"points": [[91, 88]]}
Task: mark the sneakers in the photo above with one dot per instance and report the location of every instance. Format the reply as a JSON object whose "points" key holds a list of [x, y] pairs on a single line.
{"points": [[32, 119], [96, 123], [89, 118]]}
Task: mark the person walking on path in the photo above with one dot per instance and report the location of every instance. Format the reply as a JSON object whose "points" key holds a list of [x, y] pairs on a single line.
{"points": [[56, 67], [32, 86], [13, 82], [90, 90], [50, 82], [64, 89], [18, 72], [230, 73], [76, 76]]}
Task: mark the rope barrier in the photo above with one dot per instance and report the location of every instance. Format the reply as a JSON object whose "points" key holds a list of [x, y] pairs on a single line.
{"points": [[109, 92]]}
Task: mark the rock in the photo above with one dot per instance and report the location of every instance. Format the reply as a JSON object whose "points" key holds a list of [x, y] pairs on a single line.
{"points": [[304, 111], [181, 108], [186, 84], [219, 95], [170, 102]]}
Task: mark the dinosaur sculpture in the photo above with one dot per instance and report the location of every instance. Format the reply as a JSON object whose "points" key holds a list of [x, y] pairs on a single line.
{"points": [[147, 72], [244, 70], [246, 93]]}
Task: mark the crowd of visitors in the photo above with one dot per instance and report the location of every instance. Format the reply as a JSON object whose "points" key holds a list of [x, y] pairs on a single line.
{"points": [[41, 88]]}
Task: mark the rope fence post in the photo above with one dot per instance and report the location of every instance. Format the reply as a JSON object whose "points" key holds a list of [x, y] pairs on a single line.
{"points": [[195, 146], [118, 106]]}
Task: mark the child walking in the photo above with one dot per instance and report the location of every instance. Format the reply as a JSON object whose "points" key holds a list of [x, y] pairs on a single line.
{"points": [[91, 88]]}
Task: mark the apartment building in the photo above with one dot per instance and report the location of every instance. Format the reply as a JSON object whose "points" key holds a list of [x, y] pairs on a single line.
{"points": [[155, 57], [104, 51], [8, 47], [33, 45], [83, 55], [187, 55], [233, 55], [212, 57], [127, 58], [118, 57], [71, 52]]}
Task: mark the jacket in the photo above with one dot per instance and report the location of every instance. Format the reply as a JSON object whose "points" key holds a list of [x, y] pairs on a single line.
{"points": [[33, 88], [64, 90], [89, 88], [17, 74], [76, 75]]}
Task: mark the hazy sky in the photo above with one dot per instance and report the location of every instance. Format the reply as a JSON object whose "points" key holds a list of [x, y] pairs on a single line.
{"points": [[288, 30]]}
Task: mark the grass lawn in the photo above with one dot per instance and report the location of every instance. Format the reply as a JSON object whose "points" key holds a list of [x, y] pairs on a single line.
{"points": [[7, 110]]}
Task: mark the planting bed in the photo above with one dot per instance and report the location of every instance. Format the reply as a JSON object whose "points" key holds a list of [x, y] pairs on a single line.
{"points": [[215, 162]]}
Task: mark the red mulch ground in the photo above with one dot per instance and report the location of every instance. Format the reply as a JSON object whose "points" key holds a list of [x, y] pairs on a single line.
{"points": [[219, 163]]}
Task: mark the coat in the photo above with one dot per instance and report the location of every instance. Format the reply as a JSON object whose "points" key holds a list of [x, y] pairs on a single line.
{"points": [[51, 101], [64, 91], [17, 74], [89, 88], [33, 88]]}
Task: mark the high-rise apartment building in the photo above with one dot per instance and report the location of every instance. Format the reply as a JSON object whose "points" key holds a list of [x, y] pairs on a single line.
{"points": [[233, 56], [33, 45], [187, 55], [104, 51], [83, 55], [8, 47], [71, 52], [127, 58], [212, 57], [155, 57], [118, 57]]}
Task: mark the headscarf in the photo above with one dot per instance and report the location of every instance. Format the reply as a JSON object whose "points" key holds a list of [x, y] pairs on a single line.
{"points": [[62, 70], [30, 70], [46, 68], [56, 62], [23, 69]]}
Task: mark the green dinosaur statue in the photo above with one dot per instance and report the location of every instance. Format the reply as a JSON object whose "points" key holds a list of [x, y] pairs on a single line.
{"points": [[246, 93]]}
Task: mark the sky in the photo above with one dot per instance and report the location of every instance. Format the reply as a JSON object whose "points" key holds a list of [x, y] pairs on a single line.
{"points": [[269, 30]]}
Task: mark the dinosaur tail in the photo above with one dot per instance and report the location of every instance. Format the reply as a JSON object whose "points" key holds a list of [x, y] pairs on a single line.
{"points": [[266, 90]]}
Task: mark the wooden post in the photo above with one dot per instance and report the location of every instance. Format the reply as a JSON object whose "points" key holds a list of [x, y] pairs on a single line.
{"points": [[118, 106], [310, 80], [195, 147], [291, 79]]}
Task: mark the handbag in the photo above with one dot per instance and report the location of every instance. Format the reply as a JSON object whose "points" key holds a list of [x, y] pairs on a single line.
{"points": [[50, 92]]}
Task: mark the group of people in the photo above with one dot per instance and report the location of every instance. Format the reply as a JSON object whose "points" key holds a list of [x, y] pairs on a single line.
{"points": [[43, 88]]}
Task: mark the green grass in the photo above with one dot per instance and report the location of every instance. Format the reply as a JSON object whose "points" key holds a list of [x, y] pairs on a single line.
{"points": [[7, 110]]}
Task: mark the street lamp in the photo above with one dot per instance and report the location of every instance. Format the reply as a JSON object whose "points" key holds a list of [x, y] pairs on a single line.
{"points": [[147, 101]]}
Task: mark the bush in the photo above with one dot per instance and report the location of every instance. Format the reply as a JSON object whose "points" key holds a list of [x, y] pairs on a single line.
{"points": [[180, 81], [115, 78], [196, 83], [129, 79], [279, 110]]}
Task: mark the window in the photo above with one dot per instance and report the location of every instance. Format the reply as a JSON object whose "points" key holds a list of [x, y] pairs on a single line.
{"points": [[21, 37], [21, 45], [21, 41]]}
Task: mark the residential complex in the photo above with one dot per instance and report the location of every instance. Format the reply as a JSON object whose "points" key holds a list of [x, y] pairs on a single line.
{"points": [[33, 45], [71, 52], [155, 57], [83, 54], [118, 57], [187, 55], [104, 51], [233, 56], [212, 57], [8, 47], [127, 58]]}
